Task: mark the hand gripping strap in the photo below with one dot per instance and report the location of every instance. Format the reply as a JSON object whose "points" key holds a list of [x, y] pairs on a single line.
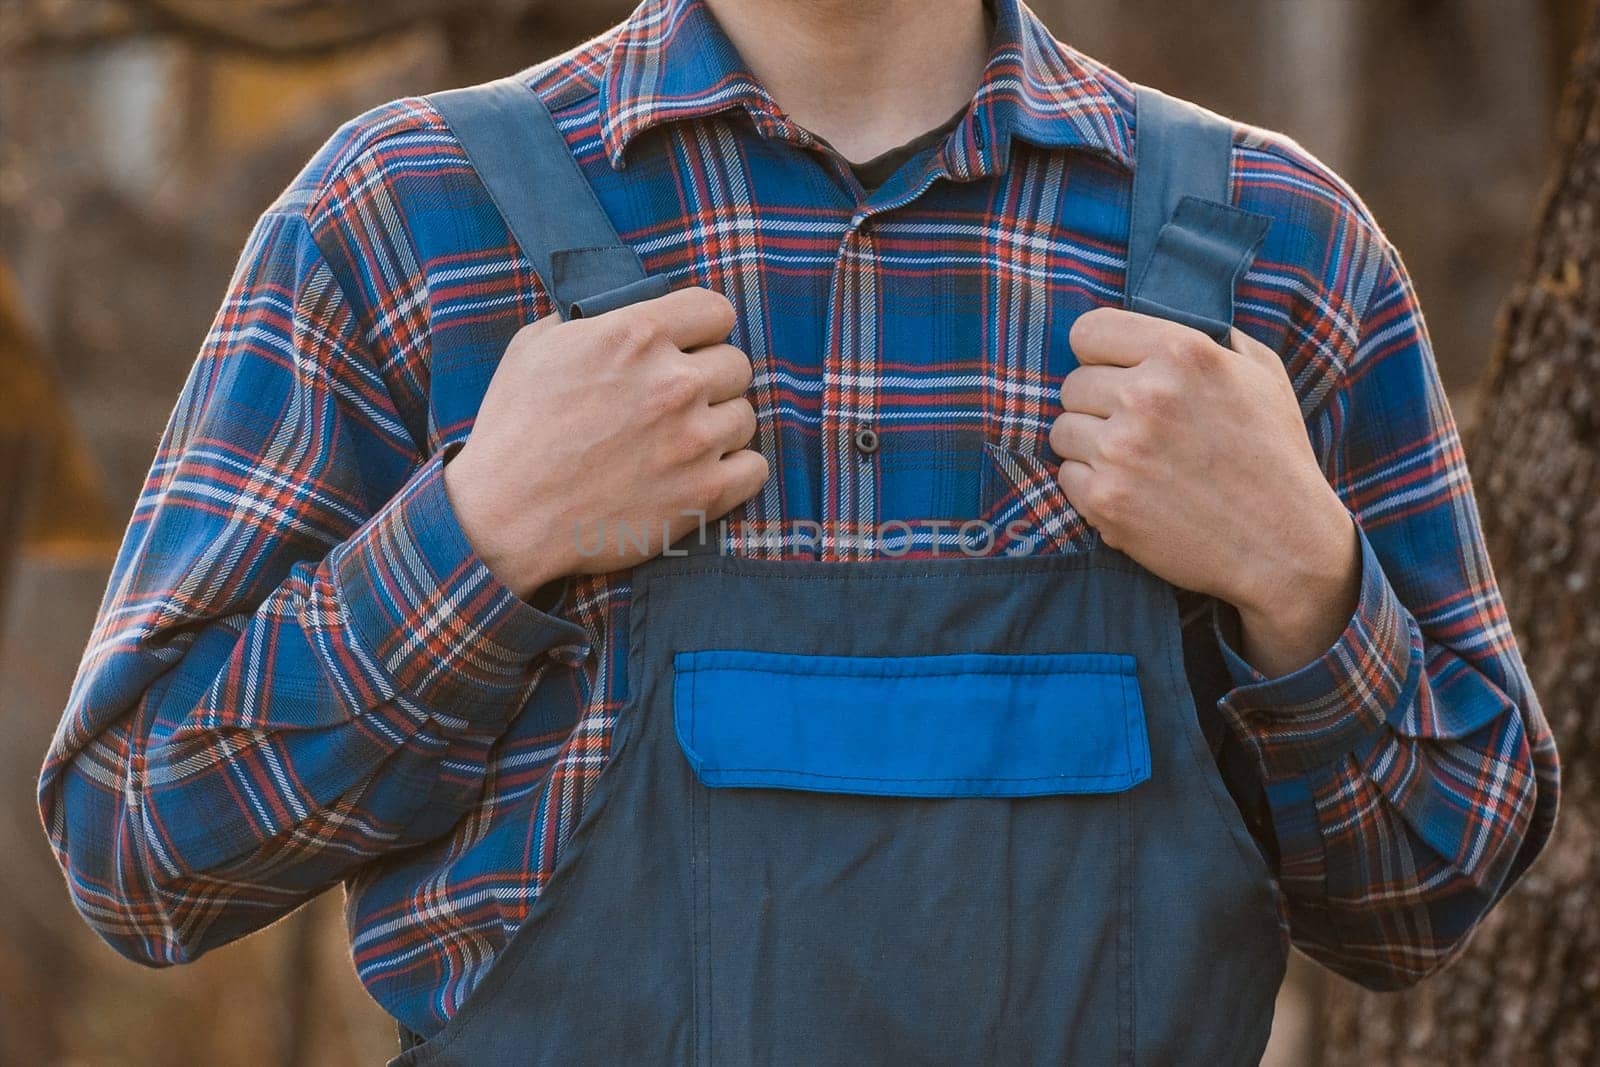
{"points": [[523, 160], [1187, 245]]}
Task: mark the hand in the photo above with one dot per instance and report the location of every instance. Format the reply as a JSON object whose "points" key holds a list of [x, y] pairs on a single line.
{"points": [[598, 427], [1194, 460]]}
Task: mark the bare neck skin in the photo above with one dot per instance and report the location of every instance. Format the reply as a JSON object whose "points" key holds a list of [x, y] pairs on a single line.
{"points": [[865, 75]]}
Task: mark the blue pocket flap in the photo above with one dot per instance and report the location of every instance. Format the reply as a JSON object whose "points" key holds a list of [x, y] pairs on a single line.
{"points": [[967, 725]]}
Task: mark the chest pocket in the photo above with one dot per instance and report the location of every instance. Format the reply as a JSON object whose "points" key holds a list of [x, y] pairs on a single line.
{"points": [[1019, 500], [967, 725], [1023, 507]]}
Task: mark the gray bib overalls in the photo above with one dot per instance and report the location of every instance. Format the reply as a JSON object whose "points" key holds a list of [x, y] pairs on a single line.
{"points": [[983, 829]]}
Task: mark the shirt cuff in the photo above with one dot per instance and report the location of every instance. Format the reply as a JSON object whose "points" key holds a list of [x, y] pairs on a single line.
{"points": [[1337, 704], [451, 637]]}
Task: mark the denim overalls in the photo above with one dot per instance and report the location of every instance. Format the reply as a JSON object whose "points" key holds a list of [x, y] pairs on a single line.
{"points": [[946, 811]]}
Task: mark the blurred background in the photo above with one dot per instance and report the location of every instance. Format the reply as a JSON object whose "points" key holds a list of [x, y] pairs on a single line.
{"points": [[140, 139]]}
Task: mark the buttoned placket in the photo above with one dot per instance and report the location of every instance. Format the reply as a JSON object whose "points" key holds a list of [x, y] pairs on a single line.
{"points": [[851, 437]]}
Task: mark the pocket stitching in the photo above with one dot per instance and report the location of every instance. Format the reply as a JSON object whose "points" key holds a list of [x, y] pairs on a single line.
{"points": [[1136, 765]]}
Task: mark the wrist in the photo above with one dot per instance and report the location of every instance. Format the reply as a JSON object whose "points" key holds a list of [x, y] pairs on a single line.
{"points": [[525, 564], [1304, 592]]}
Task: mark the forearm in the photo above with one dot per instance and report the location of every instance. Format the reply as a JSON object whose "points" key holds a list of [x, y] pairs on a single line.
{"points": [[156, 910], [349, 714], [1388, 885], [1304, 596], [1408, 786]]}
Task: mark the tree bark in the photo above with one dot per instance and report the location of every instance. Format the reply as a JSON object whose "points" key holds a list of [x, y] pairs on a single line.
{"points": [[1527, 989]]}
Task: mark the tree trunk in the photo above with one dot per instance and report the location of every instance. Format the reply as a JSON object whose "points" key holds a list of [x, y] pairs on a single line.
{"points": [[1527, 989]]}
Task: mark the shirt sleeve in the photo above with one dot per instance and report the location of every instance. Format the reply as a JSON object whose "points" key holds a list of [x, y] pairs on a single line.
{"points": [[299, 663], [1409, 771]]}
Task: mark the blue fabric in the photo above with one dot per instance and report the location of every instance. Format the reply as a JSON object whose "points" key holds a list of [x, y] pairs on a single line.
{"points": [[964, 725], [1199, 257], [548, 205], [646, 288], [788, 926], [1187, 245]]}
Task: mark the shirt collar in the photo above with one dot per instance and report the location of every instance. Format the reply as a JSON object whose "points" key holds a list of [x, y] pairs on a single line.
{"points": [[672, 62]]}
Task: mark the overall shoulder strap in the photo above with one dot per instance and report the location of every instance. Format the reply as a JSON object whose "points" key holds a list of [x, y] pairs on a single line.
{"points": [[1187, 245], [523, 160]]}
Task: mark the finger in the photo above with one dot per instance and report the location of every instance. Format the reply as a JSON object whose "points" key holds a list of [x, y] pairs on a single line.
{"points": [[742, 475], [538, 326], [1250, 348], [1118, 338], [692, 317], [733, 424], [1074, 479], [1105, 337], [1076, 436], [1094, 390], [727, 371], [687, 318]]}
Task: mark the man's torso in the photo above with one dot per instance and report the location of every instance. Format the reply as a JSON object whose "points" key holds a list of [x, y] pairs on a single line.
{"points": [[933, 312]]}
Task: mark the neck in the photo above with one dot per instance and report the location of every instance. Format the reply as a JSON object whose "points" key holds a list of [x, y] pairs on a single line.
{"points": [[866, 75]]}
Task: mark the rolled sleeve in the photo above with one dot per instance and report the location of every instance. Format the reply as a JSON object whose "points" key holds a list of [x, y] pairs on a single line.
{"points": [[1338, 703], [449, 635]]}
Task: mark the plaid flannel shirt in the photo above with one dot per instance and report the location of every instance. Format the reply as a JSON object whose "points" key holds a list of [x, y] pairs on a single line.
{"points": [[301, 673]]}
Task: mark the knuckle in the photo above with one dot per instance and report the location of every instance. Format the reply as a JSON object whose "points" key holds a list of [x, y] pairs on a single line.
{"points": [[731, 370], [696, 440], [724, 482], [1192, 350], [633, 333], [746, 412], [705, 427], [676, 388], [613, 337], [529, 336], [687, 440], [703, 489], [1107, 498], [1155, 395], [1128, 435]]}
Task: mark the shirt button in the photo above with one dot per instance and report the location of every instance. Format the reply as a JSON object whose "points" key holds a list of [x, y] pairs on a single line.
{"points": [[866, 440]]}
